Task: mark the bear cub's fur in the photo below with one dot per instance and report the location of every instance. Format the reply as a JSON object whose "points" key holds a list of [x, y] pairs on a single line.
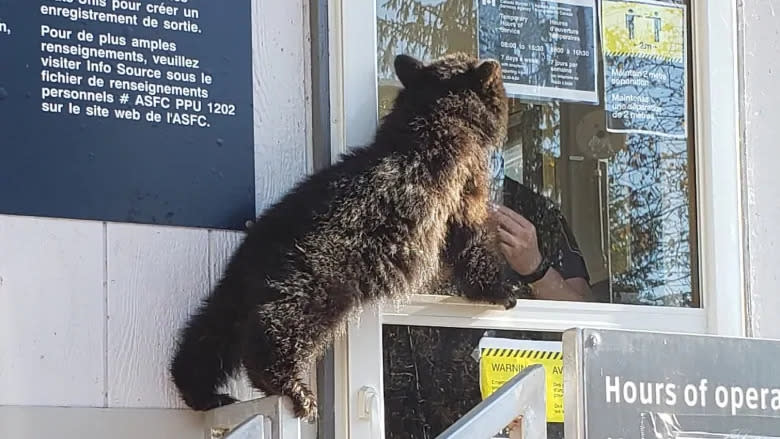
{"points": [[387, 221]]}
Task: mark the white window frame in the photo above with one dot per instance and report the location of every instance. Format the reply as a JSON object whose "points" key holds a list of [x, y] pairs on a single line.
{"points": [[358, 355]]}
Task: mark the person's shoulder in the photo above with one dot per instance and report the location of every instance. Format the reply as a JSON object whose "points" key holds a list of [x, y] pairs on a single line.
{"points": [[519, 189], [520, 196]]}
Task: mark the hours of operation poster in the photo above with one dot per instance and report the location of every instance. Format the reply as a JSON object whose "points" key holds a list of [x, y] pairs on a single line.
{"points": [[546, 48]]}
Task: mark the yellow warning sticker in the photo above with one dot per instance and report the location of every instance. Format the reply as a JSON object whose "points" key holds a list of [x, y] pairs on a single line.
{"points": [[501, 359], [643, 29]]}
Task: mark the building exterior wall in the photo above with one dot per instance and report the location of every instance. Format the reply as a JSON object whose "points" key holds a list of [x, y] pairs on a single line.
{"points": [[761, 93], [89, 310]]}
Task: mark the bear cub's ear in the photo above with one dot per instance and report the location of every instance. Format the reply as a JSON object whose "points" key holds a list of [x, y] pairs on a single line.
{"points": [[486, 70], [408, 69]]}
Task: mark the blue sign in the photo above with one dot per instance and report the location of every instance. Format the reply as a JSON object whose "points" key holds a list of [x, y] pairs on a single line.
{"points": [[645, 69], [547, 49], [123, 110]]}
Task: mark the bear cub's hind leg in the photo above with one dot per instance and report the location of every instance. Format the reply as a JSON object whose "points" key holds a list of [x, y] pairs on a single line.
{"points": [[276, 358]]}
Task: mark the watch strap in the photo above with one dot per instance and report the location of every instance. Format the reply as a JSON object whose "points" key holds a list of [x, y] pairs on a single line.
{"points": [[537, 274]]}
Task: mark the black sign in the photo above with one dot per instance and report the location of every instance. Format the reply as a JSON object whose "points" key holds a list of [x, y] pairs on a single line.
{"points": [[130, 111]]}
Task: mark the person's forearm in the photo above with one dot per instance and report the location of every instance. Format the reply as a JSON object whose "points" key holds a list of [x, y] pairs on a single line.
{"points": [[553, 287]]}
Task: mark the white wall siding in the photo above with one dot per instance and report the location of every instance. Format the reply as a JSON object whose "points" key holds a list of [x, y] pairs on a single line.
{"points": [[761, 56], [148, 300], [51, 312], [282, 89], [98, 423]]}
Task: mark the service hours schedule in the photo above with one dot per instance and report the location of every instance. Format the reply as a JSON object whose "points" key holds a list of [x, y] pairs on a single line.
{"points": [[546, 47], [132, 111]]}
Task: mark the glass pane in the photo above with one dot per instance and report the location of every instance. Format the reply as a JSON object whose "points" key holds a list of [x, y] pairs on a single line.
{"points": [[618, 209], [431, 377]]}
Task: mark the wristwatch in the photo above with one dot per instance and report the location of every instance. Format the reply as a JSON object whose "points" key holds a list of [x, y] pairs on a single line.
{"points": [[537, 274]]}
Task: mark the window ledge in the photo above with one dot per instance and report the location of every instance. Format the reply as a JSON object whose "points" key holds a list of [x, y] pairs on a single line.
{"points": [[434, 310]]}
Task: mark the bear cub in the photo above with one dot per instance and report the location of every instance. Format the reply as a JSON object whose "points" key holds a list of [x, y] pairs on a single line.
{"points": [[390, 219]]}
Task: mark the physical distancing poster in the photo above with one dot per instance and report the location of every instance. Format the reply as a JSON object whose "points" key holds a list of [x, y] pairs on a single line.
{"points": [[645, 67]]}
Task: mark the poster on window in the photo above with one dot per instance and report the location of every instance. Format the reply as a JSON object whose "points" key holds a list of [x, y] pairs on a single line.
{"points": [[645, 69], [546, 48]]}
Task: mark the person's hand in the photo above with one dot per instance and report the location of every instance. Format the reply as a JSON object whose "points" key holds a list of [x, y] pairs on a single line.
{"points": [[517, 241]]}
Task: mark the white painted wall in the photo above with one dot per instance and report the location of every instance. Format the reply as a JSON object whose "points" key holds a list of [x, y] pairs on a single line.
{"points": [[761, 52], [89, 310]]}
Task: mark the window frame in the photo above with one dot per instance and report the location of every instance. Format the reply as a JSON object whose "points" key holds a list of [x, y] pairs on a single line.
{"points": [[354, 118]]}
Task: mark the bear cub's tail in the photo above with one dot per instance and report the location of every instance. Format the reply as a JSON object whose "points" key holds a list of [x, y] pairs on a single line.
{"points": [[208, 352]]}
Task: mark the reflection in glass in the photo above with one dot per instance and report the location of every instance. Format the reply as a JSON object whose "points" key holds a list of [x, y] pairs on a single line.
{"points": [[431, 377], [627, 201]]}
